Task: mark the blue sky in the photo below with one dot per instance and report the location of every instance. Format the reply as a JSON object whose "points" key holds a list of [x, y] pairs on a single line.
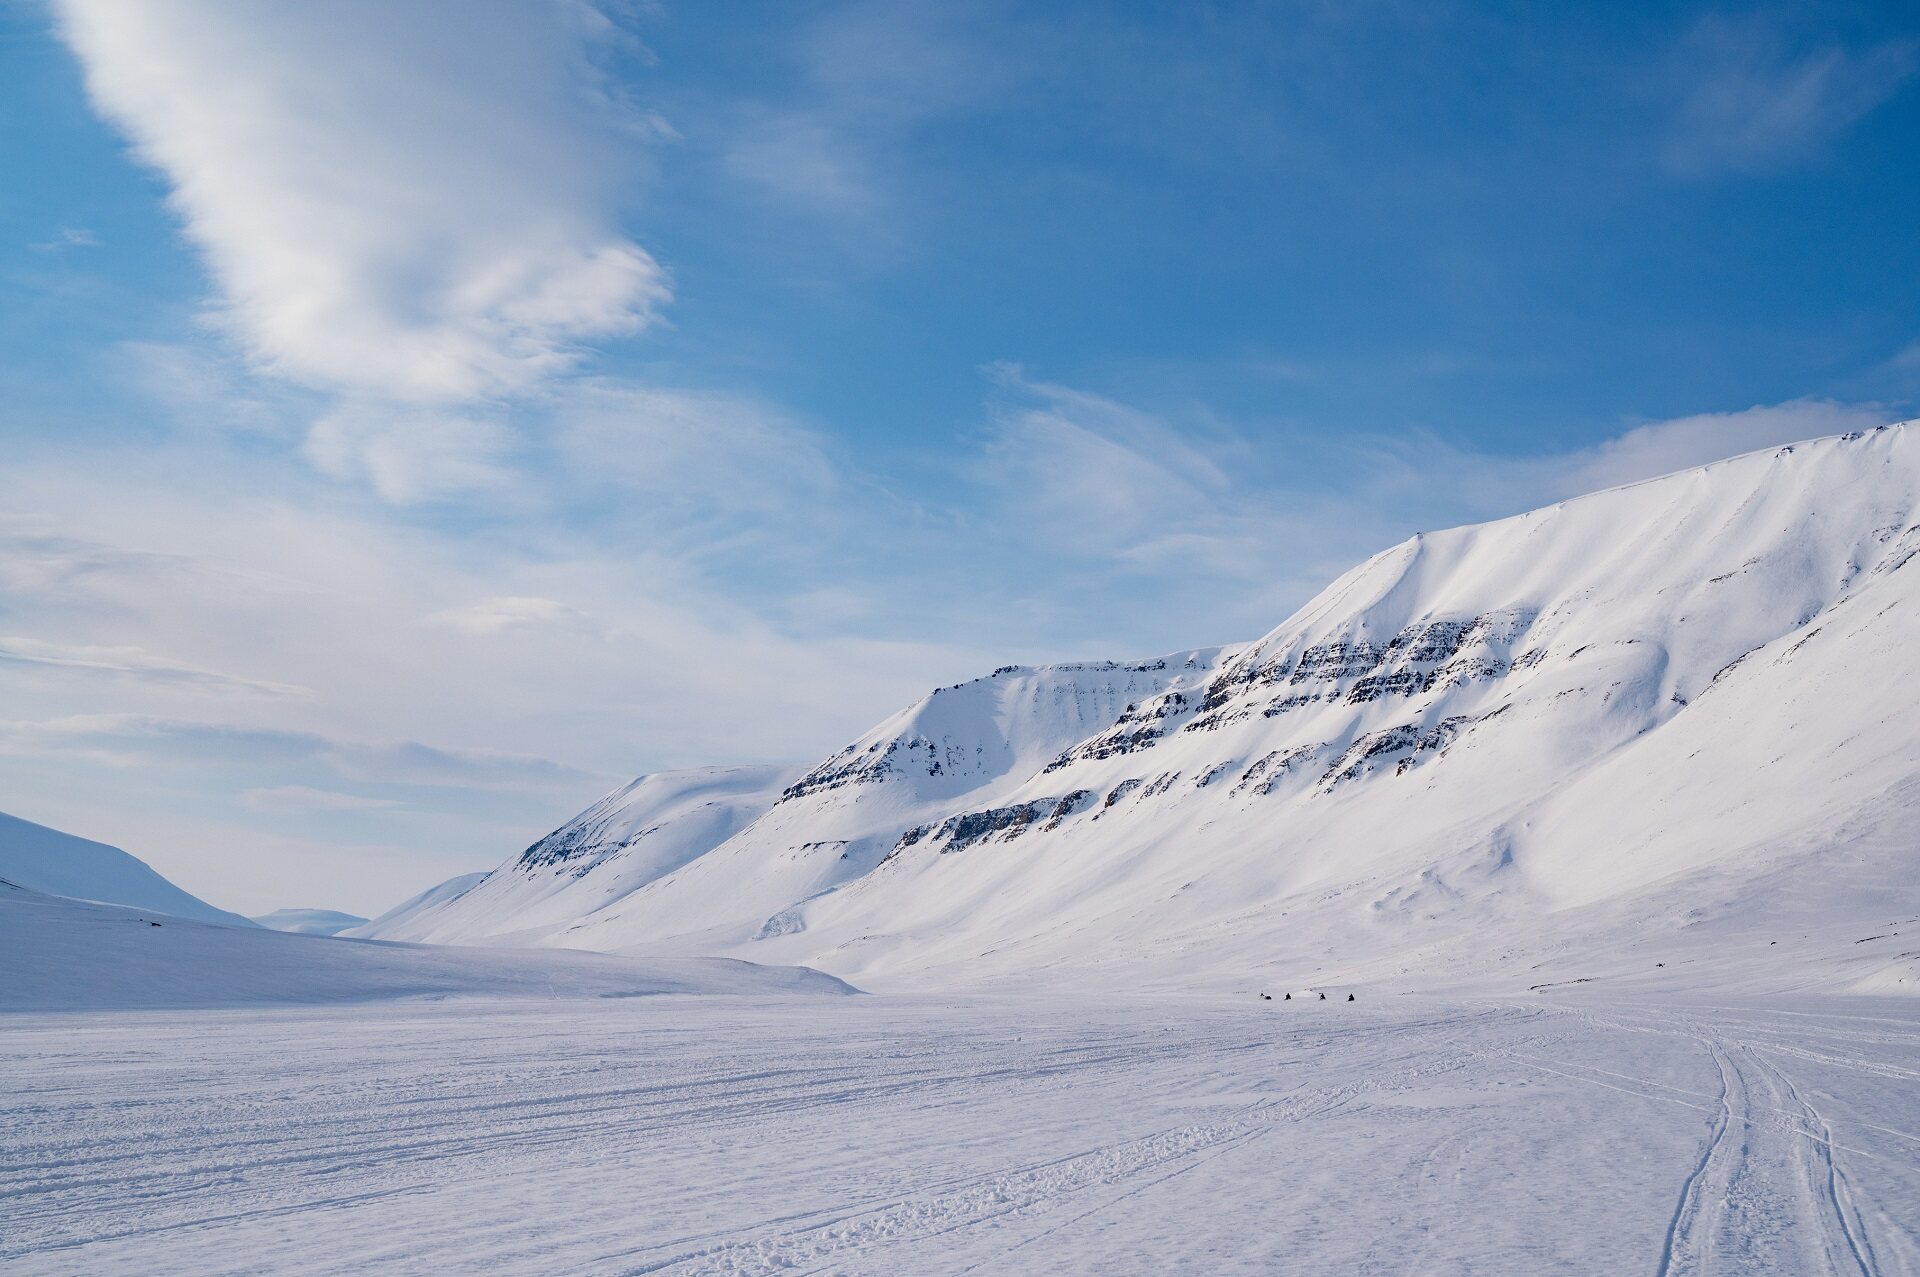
{"points": [[420, 417]]}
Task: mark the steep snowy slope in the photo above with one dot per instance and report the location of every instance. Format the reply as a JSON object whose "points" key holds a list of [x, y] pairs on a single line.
{"points": [[58, 864], [1664, 733], [720, 856], [629, 839], [397, 923]]}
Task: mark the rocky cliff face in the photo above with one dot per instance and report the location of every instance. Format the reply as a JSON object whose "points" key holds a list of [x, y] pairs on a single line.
{"points": [[1551, 739]]}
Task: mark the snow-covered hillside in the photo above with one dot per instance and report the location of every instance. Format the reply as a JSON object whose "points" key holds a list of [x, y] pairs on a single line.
{"points": [[59, 864], [395, 922], [1666, 734], [629, 839], [719, 856], [310, 922], [72, 955]]}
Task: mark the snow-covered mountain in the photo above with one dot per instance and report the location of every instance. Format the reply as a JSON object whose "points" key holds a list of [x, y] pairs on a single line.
{"points": [[1666, 733], [393, 924], [59, 864], [741, 846], [310, 922], [627, 840]]}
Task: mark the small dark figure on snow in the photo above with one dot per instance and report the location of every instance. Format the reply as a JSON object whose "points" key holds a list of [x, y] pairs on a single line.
{"points": [[1349, 997], [1288, 998], [1266, 997], [1323, 997]]}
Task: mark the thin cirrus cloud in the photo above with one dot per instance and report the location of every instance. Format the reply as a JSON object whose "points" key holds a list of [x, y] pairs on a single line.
{"points": [[305, 799], [1093, 473], [1084, 475], [864, 77], [135, 664], [68, 237], [128, 738], [386, 212], [504, 613], [1665, 446], [688, 451], [1750, 102], [409, 455]]}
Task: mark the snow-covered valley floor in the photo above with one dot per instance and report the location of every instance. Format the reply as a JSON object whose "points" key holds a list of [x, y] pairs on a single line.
{"points": [[944, 1135]]}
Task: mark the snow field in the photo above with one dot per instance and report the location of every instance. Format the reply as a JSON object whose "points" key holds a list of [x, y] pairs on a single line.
{"points": [[944, 1135]]}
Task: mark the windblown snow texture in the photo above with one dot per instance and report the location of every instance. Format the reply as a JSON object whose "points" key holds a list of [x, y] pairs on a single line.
{"points": [[1660, 736], [950, 1135]]}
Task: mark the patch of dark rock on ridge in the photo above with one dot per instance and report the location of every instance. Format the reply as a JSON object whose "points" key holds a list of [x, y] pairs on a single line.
{"points": [[579, 846], [1118, 792], [1407, 739], [1266, 772], [1415, 660], [1139, 726], [1160, 784], [905, 756], [1066, 807], [1213, 773], [956, 833]]}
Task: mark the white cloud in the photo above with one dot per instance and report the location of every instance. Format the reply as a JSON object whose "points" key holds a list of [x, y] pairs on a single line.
{"points": [[1658, 448], [413, 202], [68, 237], [1099, 498], [1750, 102], [498, 615], [133, 663], [1090, 472], [508, 672], [698, 454], [804, 160], [868, 75], [409, 455], [151, 739], [202, 391]]}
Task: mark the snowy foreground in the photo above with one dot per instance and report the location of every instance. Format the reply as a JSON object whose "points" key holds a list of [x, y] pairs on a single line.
{"points": [[920, 1135]]}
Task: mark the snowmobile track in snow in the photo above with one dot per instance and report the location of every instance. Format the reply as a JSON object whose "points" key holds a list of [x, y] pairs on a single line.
{"points": [[956, 1135]]}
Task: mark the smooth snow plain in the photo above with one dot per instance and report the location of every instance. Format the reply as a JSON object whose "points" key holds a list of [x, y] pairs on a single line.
{"points": [[915, 1134]]}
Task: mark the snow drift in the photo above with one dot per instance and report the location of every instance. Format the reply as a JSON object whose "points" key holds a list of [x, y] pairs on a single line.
{"points": [[1665, 734]]}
